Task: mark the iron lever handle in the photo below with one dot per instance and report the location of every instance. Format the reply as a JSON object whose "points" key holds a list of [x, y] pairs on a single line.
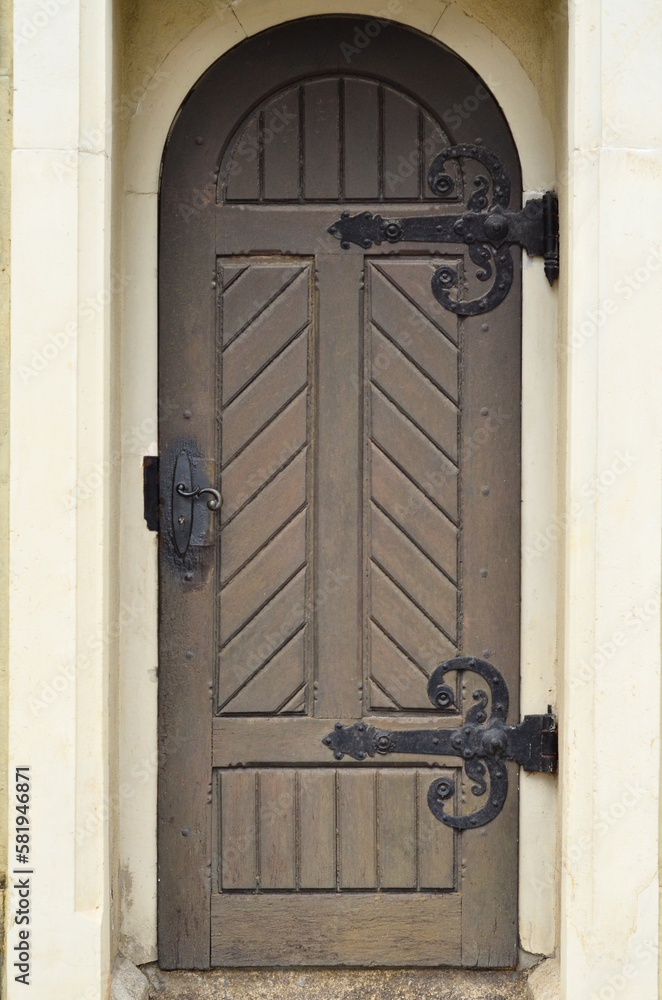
{"points": [[215, 499]]}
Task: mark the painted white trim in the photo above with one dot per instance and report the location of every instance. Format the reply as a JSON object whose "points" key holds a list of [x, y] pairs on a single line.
{"points": [[496, 64]]}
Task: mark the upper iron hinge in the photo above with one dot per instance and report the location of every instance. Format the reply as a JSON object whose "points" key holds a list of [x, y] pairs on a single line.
{"points": [[488, 230]]}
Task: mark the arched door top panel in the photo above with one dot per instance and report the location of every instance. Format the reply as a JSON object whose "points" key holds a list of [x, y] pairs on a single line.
{"points": [[451, 105], [334, 138]]}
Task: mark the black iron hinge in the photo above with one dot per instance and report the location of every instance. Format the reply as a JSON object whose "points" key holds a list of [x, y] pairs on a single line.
{"points": [[151, 491], [484, 743], [488, 231]]}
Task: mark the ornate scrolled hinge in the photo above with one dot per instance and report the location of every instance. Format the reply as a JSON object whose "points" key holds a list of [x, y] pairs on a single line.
{"points": [[485, 744], [488, 231]]}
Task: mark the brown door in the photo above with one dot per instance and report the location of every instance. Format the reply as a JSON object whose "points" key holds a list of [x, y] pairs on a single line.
{"points": [[366, 445]]}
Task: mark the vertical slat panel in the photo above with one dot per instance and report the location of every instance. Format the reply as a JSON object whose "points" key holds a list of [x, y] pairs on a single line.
{"points": [[436, 858], [238, 833], [280, 143], [401, 147], [317, 829], [243, 175], [321, 142], [361, 159], [397, 829], [434, 141], [357, 854], [277, 812]]}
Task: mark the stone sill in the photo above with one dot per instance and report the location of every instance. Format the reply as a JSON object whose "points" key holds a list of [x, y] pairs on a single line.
{"points": [[539, 983]]}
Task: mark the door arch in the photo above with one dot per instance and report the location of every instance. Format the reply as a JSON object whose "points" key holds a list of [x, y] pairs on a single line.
{"points": [[215, 235]]}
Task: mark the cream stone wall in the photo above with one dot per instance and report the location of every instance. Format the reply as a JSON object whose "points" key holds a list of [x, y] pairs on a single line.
{"points": [[5, 187], [61, 519], [612, 351]]}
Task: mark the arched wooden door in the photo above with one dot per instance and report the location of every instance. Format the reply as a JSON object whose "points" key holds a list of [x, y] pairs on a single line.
{"points": [[366, 444]]}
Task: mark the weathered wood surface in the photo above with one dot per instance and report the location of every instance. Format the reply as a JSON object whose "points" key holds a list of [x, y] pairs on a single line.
{"points": [[367, 446], [388, 929]]}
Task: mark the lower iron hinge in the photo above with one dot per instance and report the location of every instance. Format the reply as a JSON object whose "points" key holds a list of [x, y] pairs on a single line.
{"points": [[485, 743]]}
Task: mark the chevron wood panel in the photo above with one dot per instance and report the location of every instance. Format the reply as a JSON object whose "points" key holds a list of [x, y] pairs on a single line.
{"points": [[412, 485], [264, 357]]}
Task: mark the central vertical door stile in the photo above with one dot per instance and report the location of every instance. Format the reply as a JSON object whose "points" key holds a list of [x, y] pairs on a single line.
{"points": [[338, 487], [461, 331]]}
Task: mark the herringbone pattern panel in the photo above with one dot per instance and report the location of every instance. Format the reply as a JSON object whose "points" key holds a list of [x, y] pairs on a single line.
{"points": [[412, 486], [264, 333]]}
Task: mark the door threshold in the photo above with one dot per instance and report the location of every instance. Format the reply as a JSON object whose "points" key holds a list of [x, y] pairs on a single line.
{"points": [[337, 984]]}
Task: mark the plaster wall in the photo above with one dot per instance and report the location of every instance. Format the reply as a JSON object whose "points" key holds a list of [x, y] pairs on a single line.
{"points": [[611, 601], [166, 50], [61, 520], [5, 187]]}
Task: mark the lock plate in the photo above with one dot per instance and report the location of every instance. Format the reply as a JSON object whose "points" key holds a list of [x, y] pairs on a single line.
{"points": [[182, 507]]}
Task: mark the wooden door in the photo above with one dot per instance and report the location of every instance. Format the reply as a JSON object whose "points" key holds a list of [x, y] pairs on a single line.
{"points": [[366, 445]]}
